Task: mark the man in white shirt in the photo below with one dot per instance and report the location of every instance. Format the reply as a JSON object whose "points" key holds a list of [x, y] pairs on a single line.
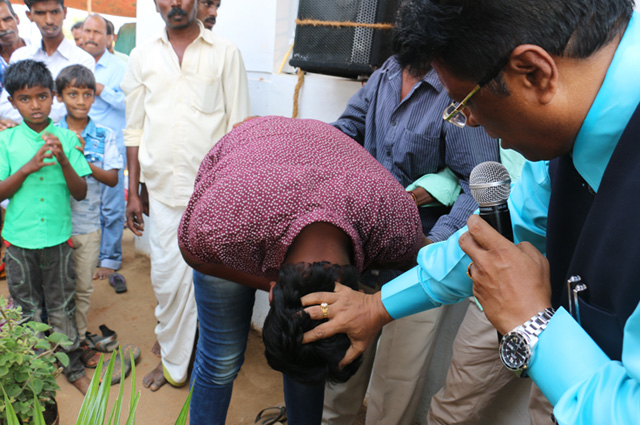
{"points": [[55, 51], [184, 90]]}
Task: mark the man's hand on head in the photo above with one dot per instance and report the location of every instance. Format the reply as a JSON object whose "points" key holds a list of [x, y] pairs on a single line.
{"points": [[354, 313], [510, 281]]}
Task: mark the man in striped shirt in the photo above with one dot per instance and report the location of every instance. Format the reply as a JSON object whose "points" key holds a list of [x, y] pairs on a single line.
{"points": [[397, 117]]}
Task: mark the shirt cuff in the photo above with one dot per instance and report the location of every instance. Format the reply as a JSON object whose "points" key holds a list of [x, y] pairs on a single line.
{"points": [[443, 186], [132, 137], [564, 356], [404, 295], [113, 98]]}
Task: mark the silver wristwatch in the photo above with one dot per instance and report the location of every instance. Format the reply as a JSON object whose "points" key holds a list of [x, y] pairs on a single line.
{"points": [[516, 347]]}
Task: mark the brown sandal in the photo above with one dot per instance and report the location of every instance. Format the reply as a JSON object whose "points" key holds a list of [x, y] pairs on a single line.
{"points": [[89, 356]]}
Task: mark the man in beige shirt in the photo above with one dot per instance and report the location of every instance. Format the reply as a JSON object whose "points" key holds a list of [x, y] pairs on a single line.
{"points": [[184, 90]]}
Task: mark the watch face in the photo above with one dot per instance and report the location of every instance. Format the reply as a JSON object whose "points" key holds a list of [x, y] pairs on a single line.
{"points": [[515, 351]]}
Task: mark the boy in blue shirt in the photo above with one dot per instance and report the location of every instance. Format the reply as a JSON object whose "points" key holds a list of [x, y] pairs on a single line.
{"points": [[40, 167], [76, 87]]}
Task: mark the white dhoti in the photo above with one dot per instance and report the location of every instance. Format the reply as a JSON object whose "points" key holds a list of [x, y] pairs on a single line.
{"points": [[172, 281]]}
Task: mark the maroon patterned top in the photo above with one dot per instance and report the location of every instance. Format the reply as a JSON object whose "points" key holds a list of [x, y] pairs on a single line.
{"points": [[266, 180]]}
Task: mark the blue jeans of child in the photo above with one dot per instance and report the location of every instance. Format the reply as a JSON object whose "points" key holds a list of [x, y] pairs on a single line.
{"points": [[224, 315], [112, 222], [48, 274]]}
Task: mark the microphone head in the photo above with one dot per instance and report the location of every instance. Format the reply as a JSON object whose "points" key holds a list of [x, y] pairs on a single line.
{"points": [[490, 183]]}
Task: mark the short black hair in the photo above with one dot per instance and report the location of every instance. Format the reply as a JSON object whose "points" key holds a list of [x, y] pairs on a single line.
{"points": [[8, 3], [473, 39], [77, 25], [110, 28], [26, 74], [75, 76], [315, 362], [30, 3]]}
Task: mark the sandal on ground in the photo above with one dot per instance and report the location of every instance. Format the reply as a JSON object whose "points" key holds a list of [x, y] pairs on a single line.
{"points": [[89, 356], [118, 282], [128, 349], [271, 416], [116, 375], [105, 343]]}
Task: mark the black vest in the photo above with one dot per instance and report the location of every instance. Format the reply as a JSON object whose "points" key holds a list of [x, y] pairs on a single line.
{"points": [[598, 238]]}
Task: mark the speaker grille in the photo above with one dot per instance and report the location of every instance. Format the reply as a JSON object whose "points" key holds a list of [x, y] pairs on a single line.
{"points": [[344, 51]]}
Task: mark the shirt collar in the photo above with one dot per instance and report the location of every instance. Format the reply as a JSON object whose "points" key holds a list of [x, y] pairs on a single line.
{"points": [[88, 130], [37, 136], [612, 108], [65, 48], [205, 34], [394, 70], [104, 59]]}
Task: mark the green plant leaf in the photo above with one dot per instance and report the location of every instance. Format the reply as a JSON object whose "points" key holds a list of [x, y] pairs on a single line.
{"points": [[184, 412], [62, 358], [91, 396], [58, 338], [42, 344], [3, 371], [39, 326], [38, 419], [36, 386], [20, 377], [12, 419]]}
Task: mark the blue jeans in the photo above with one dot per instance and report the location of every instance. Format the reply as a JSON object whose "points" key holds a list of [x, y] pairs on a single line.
{"points": [[112, 206], [224, 314]]}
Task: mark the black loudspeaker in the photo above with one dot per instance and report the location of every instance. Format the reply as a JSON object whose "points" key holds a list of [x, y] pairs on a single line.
{"points": [[343, 51]]}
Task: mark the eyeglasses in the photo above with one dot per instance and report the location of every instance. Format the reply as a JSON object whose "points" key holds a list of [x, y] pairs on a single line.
{"points": [[453, 113]]}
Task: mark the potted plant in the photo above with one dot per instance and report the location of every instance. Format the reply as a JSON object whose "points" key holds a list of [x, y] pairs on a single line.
{"points": [[28, 367], [39, 387]]}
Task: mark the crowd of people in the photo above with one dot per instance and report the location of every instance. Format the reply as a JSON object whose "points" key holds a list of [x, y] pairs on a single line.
{"points": [[332, 218]]}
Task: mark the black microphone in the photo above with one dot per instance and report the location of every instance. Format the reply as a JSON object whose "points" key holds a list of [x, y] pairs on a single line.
{"points": [[490, 185]]}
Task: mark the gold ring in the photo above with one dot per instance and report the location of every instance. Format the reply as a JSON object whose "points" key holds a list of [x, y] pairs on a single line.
{"points": [[325, 310], [469, 270]]}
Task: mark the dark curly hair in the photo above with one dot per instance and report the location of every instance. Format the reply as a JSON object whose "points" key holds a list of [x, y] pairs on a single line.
{"points": [[315, 362]]}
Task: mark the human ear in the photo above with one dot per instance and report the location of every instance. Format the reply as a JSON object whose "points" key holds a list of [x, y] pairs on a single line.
{"points": [[271, 285], [28, 13], [534, 70], [12, 102]]}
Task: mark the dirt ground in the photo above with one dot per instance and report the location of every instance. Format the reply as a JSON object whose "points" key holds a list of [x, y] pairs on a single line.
{"points": [[131, 316]]}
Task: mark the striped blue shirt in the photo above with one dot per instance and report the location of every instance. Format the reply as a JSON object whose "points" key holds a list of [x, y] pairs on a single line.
{"points": [[410, 139]]}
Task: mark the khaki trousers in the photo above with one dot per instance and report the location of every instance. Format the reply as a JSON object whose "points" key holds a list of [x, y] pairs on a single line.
{"points": [[475, 377], [86, 249], [397, 370]]}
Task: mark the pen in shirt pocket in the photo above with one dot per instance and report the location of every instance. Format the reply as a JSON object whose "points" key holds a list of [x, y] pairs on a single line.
{"points": [[575, 286]]}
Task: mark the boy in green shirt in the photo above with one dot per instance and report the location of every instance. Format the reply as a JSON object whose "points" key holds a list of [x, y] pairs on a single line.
{"points": [[40, 166]]}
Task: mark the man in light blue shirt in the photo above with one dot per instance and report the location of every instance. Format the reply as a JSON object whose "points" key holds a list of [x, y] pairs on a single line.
{"points": [[556, 81], [109, 111]]}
